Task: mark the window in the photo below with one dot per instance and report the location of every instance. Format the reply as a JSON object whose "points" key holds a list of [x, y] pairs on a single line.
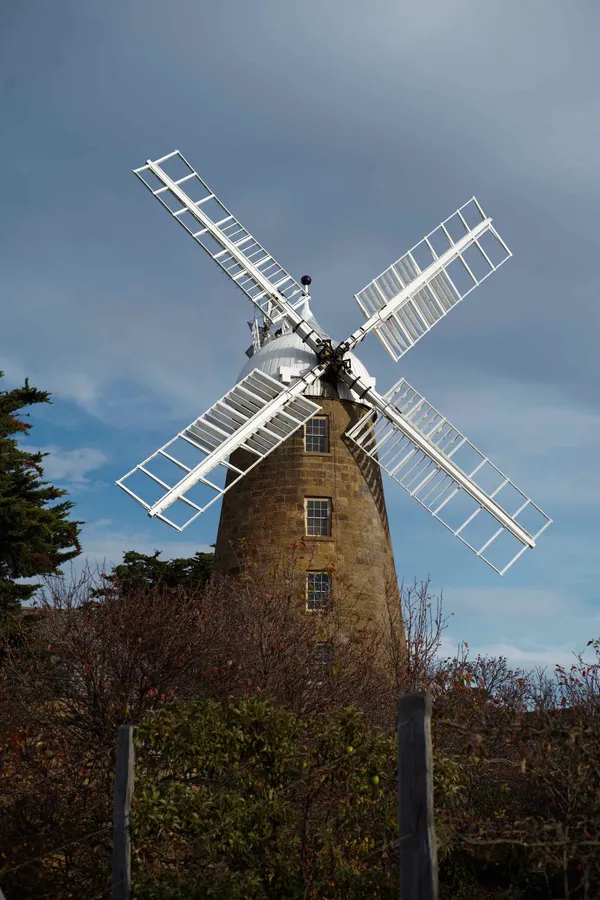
{"points": [[316, 435], [318, 516], [324, 654], [318, 588]]}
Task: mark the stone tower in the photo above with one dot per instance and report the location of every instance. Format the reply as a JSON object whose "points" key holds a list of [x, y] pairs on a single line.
{"points": [[317, 490]]}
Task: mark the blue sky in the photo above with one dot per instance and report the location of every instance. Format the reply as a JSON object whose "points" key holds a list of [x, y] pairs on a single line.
{"points": [[339, 133]]}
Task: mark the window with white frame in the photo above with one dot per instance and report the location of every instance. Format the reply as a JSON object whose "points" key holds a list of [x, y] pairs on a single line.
{"points": [[324, 654], [317, 512], [318, 590], [316, 435]]}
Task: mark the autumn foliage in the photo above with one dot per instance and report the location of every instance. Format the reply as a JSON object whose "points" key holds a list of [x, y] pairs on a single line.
{"points": [[263, 771]]}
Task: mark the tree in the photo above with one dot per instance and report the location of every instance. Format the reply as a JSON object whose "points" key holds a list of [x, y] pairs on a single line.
{"points": [[84, 668], [35, 538], [224, 680], [138, 571], [245, 799]]}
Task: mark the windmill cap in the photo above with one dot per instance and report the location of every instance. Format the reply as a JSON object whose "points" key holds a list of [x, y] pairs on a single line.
{"points": [[286, 354]]}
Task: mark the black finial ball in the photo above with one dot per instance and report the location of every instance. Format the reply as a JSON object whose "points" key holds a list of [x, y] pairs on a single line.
{"points": [[305, 280]]}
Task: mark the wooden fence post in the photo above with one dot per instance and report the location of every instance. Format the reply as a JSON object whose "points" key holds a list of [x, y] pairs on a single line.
{"points": [[121, 859], [418, 849]]}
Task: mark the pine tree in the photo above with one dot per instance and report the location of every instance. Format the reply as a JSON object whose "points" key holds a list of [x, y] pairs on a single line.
{"points": [[36, 538], [139, 571]]}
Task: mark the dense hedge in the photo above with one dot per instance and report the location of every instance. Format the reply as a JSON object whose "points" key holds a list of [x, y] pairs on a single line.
{"points": [[246, 800]]}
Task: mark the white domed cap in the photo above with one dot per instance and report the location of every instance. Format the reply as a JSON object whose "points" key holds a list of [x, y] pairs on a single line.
{"points": [[287, 356]]}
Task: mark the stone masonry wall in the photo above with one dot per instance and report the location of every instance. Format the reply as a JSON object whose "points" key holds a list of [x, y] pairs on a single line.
{"points": [[266, 510]]}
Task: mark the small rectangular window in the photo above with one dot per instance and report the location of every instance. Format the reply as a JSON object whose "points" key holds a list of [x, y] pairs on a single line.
{"points": [[324, 654], [318, 516], [318, 589], [316, 435]]}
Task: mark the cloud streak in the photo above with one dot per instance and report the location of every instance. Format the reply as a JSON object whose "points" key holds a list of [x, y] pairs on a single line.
{"points": [[104, 543], [70, 468], [526, 658]]}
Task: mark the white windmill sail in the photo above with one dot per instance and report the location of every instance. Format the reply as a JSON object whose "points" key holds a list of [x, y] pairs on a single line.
{"points": [[414, 293], [455, 482], [257, 415], [409, 439], [264, 281]]}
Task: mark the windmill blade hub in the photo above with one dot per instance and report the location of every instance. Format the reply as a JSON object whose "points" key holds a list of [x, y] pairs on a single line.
{"points": [[286, 356]]}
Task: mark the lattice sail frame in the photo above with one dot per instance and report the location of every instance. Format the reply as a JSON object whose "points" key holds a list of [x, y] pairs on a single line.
{"points": [[171, 195], [257, 415], [437, 491], [401, 305], [462, 256]]}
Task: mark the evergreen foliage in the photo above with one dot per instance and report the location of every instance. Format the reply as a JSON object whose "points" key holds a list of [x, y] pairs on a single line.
{"points": [[141, 572], [245, 800], [36, 538]]}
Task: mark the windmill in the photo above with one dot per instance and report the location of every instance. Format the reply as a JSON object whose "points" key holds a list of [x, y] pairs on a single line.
{"points": [[399, 432]]}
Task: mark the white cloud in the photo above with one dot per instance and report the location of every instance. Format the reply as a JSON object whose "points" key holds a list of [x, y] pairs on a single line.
{"points": [[539, 422], [511, 602], [528, 656], [548, 444], [105, 542], [70, 467]]}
